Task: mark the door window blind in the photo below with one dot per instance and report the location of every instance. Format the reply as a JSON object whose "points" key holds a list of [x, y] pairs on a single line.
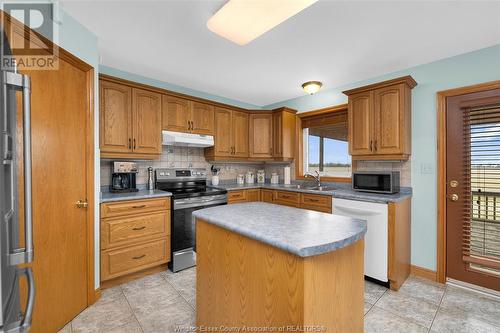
{"points": [[481, 184]]}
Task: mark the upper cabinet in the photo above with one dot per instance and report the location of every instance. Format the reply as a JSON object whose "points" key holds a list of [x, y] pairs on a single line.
{"points": [[130, 122], [231, 135], [182, 115], [272, 134], [380, 120], [261, 135]]}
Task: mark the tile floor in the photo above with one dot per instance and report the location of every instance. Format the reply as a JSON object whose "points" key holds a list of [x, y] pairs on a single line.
{"points": [[158, 303]]}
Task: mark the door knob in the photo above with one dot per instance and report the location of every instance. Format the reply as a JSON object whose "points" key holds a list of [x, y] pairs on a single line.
{"points": [[82, 204], [454, 197]]}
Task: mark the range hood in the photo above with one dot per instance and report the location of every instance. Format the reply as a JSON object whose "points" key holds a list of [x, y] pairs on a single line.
{"points": [[170, 138]]}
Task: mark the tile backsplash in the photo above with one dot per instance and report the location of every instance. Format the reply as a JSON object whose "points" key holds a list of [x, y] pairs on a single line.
{"points": [[404, 169], [185, 157]]}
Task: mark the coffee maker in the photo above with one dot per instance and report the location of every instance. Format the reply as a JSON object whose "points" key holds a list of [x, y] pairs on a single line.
{"points": [[123, 177]]}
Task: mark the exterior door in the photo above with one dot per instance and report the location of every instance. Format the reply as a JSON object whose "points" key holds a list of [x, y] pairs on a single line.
{"points": [[388, 106], [240, 133], [261, 135], [115, 113], [473, 188], [176, 114], [360, 123], [60, 129], [146, 119], [202, 117], [223, 132]]}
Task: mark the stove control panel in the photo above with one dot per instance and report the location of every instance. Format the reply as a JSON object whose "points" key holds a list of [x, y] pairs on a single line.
{"points": [[171, 174]]}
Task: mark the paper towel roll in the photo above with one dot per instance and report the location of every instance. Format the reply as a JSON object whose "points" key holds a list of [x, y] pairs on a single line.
{"points": [[286, 175]]}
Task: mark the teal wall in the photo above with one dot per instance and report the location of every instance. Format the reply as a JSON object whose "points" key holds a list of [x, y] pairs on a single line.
{"points": [[169, 86], [466, 69]]}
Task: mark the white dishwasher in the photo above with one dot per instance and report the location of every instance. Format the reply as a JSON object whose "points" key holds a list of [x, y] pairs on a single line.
{"points": [[376, 238]]}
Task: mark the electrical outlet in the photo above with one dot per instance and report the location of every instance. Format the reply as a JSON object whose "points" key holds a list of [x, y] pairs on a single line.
{"points": [[426, 168]]}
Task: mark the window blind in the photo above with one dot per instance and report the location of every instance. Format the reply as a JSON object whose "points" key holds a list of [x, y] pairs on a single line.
{"points": [[481, 189]]}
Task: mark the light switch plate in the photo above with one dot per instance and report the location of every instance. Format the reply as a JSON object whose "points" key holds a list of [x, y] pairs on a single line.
{"points": [[426, 168]]}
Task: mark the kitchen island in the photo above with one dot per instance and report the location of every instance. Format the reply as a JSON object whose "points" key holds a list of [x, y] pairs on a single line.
{"points": [[270, 268]]}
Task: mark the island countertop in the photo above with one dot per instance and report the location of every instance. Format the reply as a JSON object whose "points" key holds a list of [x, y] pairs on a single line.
{"points": [[301, 232]]}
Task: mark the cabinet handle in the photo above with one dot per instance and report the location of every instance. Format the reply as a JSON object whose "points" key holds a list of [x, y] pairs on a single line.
{"points": [[140, 228], [134, 143], [140, 206], [139, 257], [129, 143], [375, 145], [371, 145], [313, 200]]}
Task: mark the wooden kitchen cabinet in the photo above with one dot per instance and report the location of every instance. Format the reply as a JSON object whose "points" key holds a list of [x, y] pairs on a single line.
{"points": [[115, 117], [272, 135], [182, 115], [267, 195], [176, 113], [261, 135], [231, 135], [284, 121], [135, 235], [146, 120], [130, 122], [317, 202], [380, 120]]}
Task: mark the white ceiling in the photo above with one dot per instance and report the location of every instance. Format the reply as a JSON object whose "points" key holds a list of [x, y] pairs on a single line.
{"points": [[336, 42]]}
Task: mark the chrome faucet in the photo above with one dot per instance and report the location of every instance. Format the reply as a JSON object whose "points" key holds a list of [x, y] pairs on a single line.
{"points": [[317, 177]]}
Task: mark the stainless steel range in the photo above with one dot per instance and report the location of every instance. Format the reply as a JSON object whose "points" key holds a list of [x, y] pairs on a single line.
{"points": [[189, 193]]}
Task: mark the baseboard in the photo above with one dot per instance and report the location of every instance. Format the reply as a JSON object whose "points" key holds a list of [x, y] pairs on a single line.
{"points": [[133, 276], [423, 273]]}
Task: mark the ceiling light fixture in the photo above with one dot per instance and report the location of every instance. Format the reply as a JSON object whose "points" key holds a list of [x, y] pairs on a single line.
{"points": [[242, 21], [311, 87]]}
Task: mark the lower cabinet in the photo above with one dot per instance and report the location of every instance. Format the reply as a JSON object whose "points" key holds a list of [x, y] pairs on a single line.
{"points": [[238, 196], [317, 202], [135, 235]]}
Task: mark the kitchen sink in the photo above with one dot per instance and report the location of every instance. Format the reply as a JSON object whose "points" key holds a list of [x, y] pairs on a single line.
{"points": [[320, 188]]}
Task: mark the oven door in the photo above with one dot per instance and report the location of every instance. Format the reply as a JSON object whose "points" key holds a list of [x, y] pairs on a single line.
{"points": [[183, 228]]}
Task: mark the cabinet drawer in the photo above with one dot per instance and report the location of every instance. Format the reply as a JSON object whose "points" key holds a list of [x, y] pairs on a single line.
{"points": [[119, 262], [288, 197], [321, 203], [129, 230], [236, 196], [121, 208]]}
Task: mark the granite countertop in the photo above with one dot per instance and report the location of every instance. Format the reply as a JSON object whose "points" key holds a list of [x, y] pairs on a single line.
{"points": [[141, 194], [337, 191], [301, 232]]}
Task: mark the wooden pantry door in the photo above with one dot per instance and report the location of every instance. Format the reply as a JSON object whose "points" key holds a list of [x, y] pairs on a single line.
{"points": [[62, 170], [473, 188]]}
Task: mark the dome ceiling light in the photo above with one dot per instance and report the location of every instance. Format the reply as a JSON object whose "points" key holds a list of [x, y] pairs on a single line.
{"points": [[312, 87]]}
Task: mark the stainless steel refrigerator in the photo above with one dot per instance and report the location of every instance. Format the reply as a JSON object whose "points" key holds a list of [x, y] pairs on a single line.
{"points": [[12, 319]]}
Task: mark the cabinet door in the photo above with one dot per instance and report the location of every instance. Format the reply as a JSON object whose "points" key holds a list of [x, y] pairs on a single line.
{"points": [[278, 134], [146, 119], [387, 120], [360, 124], [240, 134], [267, 195], [261, 135], [253, 195], [202, 118], [176, 113], [115, 117], [222, 132]]}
